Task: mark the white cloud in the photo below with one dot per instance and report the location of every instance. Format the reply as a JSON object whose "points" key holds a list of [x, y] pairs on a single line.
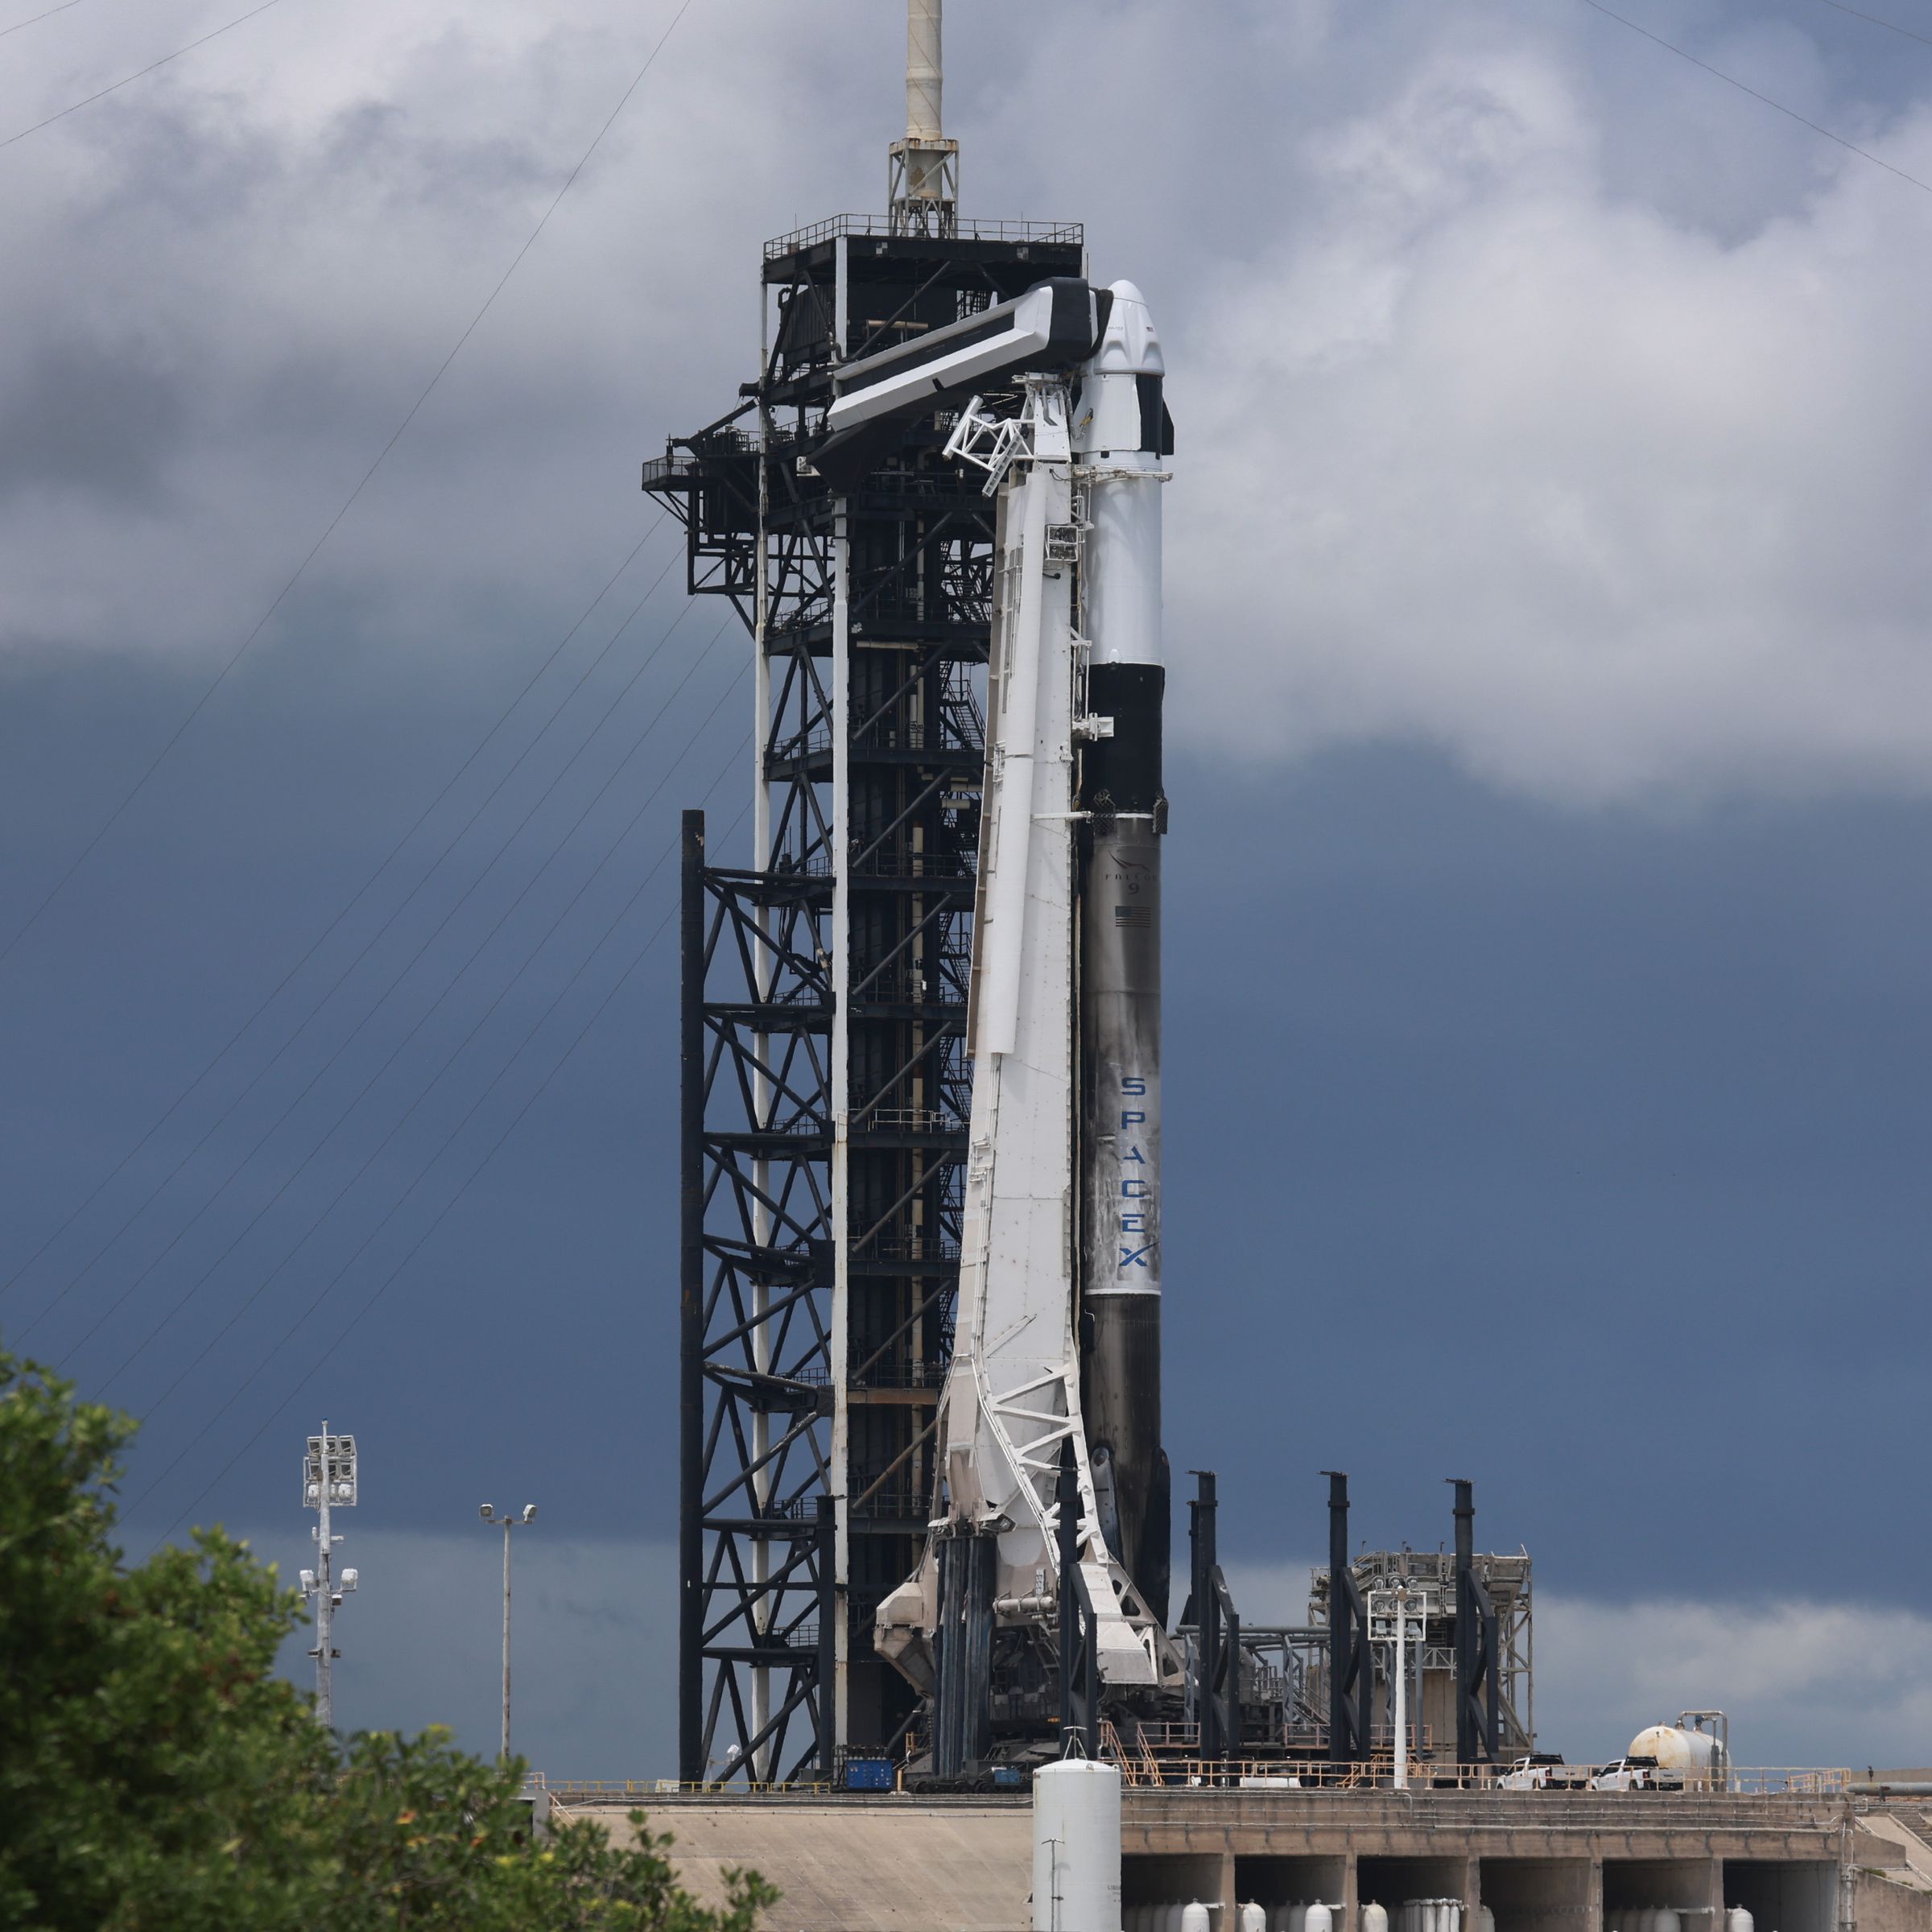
{"points": [[1541, 399], [1804, 1682], [1484, 453]]}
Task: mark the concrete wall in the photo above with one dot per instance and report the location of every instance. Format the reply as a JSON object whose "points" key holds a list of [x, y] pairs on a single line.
{"points": [[1884, 1906], [851, 1865]]}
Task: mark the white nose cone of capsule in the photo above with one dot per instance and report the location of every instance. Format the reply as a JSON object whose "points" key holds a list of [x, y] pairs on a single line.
{"points": [[1129, 344]]}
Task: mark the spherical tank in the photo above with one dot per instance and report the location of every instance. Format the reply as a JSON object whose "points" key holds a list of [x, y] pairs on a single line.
{"points": [[1076, 1848]]}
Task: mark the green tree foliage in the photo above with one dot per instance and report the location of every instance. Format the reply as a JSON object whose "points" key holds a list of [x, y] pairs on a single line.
{"points": [[156, 1777]]}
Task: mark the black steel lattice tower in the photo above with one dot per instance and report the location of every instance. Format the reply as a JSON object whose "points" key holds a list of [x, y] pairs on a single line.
{"points": [[827, 1092]]}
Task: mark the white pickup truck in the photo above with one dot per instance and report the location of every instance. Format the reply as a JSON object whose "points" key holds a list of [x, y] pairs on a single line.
{"points": [[1543, 1771]]}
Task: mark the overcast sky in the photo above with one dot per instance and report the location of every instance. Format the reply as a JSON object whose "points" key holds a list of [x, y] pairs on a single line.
{"points": [[1548, 591]]}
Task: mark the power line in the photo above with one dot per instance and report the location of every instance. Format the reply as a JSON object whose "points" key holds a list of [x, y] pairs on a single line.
{"points": [[1731, 80], [200, 704], [343, 1045], [38, 17], [349, 906], [468, 1180], [127, 80], [1893, 26], [395, 1052], [397, 1206]]}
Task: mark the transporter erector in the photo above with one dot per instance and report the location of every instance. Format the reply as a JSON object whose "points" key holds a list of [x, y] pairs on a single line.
{"points": [[1056, 1362]]}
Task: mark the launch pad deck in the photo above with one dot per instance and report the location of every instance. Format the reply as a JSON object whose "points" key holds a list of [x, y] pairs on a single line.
{"points": [[1540, 1861]]}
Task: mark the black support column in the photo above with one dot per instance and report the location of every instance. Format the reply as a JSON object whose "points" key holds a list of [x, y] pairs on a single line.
{"points": [[691, 1305]]}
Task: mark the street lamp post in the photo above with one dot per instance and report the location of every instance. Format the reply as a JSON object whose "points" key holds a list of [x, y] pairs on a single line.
{"points": [[510, 1522]]}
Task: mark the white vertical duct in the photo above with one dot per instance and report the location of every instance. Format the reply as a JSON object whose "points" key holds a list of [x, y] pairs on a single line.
{"points": [[925, 72], [1076, 1845]]}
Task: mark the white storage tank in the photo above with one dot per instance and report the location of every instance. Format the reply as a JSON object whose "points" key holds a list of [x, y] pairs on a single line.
{"points": [[1319, 1919], [1698, 1754], [1737, 1919], [1374, 1918], [1194, 1917], [1485, 1919], [1254, 1918], [1668, 1920], [1297, 1916], [1076, 1846]]}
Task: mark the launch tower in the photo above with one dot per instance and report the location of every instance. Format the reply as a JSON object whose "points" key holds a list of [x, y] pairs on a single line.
{"points": [[826, 1086]]}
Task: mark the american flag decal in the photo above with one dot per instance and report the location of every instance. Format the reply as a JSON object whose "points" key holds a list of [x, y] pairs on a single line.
{"points": [[1132, 918]]}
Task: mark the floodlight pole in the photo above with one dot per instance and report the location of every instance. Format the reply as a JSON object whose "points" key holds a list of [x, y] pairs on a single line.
{"points": [[505, 1751], [509, 1522]]}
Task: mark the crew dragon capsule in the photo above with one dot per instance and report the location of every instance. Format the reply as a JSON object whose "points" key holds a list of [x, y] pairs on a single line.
{"points": [[1055, 1372]]}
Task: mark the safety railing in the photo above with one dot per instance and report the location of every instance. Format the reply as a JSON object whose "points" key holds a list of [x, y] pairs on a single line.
{"points": [[1173, 1749], [1442, 1788], [639, 1792], [908, 1120], [1072, 233], [901, 1375], [915, 865]]}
